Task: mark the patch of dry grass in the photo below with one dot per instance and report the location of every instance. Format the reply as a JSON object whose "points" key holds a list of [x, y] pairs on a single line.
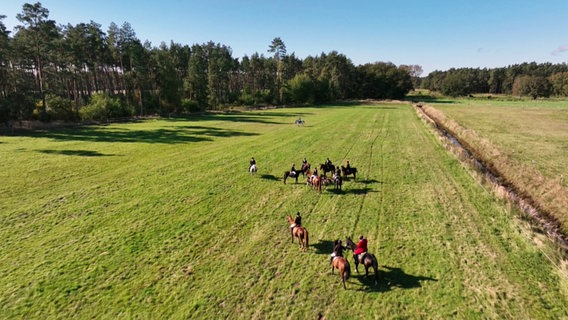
{"points": [[546, 192]]}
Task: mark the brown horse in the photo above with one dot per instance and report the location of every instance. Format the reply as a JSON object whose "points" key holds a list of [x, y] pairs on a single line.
{"points": [[344, 269], [369, 260], [299, 232], [348, 171], [314, 181], [327, 168]]}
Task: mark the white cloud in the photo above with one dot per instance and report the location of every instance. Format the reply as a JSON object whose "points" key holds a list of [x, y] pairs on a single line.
{"points": [[560, 50]]}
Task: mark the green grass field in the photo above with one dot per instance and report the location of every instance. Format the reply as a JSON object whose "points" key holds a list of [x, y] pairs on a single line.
{"points": [[532, 142], [161, 220], [533, 132]]}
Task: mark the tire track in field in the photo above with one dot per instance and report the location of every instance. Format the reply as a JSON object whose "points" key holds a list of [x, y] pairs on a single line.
{"points": [[380, 214], [369, 166]]}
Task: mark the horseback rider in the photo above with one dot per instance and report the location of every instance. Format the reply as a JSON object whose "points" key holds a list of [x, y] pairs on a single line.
{"points": [[328, 162], [252, 162], [297, 223], [304, 164], [360, 249], [315, 174], [293, 170], [337, 173], [337, 251], [348, 166]]}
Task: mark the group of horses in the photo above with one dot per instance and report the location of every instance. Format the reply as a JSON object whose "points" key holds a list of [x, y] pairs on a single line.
{"points": [[301, 233], [317, 181], [368, 260]]}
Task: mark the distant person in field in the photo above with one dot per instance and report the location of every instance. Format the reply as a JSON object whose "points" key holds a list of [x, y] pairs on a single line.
{"points": [[328, 162], [293, 170], [348, 165], [337, 251], [360, 248], [252, 162]]}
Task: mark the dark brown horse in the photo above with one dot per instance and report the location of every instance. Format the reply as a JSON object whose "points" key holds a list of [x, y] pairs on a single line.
{"points": [[369, 260], [348, 171], [297, 173], [344, 269], [299, 232], [325, 168]]}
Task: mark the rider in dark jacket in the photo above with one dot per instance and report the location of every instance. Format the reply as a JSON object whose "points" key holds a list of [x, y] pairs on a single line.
{"points": [[297, 223], [337, 172], [337, 251]]}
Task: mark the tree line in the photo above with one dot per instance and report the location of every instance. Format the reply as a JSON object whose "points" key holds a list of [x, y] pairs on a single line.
{"points": [[79, 72], [526, 79]]}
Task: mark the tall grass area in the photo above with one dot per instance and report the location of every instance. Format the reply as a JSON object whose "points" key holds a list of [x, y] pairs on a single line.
{"points": [[160, 219], [527, 141]]}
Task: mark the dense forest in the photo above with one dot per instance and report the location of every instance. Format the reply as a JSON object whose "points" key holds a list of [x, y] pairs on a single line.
{"points": [[526, 79], [79, 72], [72, 72]]}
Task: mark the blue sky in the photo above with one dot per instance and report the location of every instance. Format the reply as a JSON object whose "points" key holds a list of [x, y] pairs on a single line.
{"points": [[436, 34]]}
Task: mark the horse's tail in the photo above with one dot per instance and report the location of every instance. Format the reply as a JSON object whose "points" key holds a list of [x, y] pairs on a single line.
{"points": [[375, 261], [376, 268], [286, 173]]}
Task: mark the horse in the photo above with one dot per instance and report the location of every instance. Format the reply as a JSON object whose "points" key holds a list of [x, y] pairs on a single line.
{"points": [[325, 167], [324, 181], [303, 170], [348, 171], [299, 122], [337, 182], [369, 260], [299, 232], [344, 269], [252, 169], [314, 182]]}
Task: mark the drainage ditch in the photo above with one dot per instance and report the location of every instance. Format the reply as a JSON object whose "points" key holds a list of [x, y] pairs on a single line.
{"points": [[544, 222]]}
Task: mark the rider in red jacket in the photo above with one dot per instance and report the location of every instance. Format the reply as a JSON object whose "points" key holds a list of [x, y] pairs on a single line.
{"points": [[360, 248]]}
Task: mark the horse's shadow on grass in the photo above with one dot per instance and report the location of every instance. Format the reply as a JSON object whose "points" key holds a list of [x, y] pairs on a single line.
{"points": [[269, 177], [335, 191], [391, 278], [370, 181], [83, 153], [357, 191], [323, 247]]}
